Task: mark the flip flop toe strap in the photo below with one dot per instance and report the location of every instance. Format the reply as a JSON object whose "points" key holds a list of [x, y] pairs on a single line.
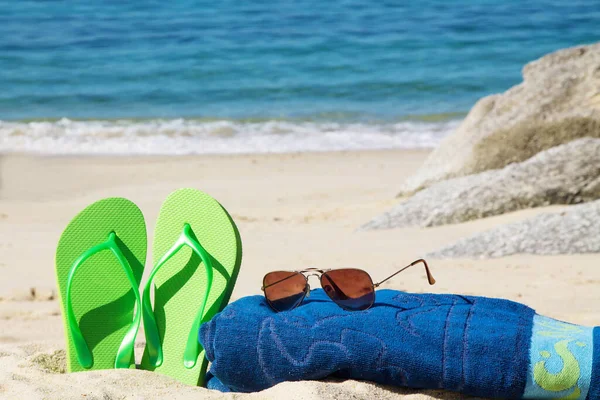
{"points": [[84, 355], [192, 348]]}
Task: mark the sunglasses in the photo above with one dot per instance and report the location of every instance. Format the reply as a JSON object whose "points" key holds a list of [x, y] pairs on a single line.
{"points": [[350, 288]]}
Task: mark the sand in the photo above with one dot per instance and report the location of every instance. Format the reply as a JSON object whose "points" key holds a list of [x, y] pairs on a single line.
{"points": [[293, 211]]}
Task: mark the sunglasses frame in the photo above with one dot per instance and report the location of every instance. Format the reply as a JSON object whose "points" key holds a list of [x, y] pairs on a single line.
{"points": [[308, 272]]}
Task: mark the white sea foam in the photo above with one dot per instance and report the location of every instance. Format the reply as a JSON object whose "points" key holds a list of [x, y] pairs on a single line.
{"points": [[181, 136]]}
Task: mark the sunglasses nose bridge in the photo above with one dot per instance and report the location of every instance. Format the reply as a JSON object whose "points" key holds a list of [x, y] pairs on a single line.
{"points": [[318, 276]]}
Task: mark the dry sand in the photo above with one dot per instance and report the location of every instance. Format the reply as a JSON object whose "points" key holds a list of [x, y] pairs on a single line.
{"points": [[293, 211]]}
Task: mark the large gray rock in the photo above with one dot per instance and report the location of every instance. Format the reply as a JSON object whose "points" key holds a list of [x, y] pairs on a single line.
{"points": [[576, 230], [566, 174], [558, 101]]}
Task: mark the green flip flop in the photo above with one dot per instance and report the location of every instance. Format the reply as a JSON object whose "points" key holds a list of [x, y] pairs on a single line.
{"points": [[99, 265], [197, 254]]}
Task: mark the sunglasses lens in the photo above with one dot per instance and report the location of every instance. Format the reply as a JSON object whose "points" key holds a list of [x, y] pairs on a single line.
{"points": [[284, 290], [351, 289]]}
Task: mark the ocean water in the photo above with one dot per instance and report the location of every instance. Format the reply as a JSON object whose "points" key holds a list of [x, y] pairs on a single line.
{"points": [[137, 77]]}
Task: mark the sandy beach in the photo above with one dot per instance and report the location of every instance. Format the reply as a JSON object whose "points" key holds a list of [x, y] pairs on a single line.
{"points": [[292, 210]]}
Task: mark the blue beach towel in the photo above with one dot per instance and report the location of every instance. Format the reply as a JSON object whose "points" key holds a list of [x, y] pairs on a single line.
{"points": [[473, 345]]}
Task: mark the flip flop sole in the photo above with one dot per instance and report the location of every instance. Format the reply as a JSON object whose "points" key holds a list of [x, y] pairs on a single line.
{"points": [[102, 297], [180, 284]]}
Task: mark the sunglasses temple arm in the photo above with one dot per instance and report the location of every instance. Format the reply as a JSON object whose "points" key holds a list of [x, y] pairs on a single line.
{"points": [[429, 276]]}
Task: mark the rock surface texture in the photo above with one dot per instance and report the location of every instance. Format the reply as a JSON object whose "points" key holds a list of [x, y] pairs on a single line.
{"points": [[566, 174], [573, 231], [558, 101]]}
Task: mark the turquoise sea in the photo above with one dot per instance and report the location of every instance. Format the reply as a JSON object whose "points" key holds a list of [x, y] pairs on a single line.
{"points": [[230, 76]]}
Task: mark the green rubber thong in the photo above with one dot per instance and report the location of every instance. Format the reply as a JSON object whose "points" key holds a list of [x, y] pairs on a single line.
{"points": [[185, 296], [84, 355], [192, 348]]}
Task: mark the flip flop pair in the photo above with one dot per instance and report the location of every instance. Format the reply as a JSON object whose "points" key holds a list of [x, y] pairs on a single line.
{"points": [[99, 267]]}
